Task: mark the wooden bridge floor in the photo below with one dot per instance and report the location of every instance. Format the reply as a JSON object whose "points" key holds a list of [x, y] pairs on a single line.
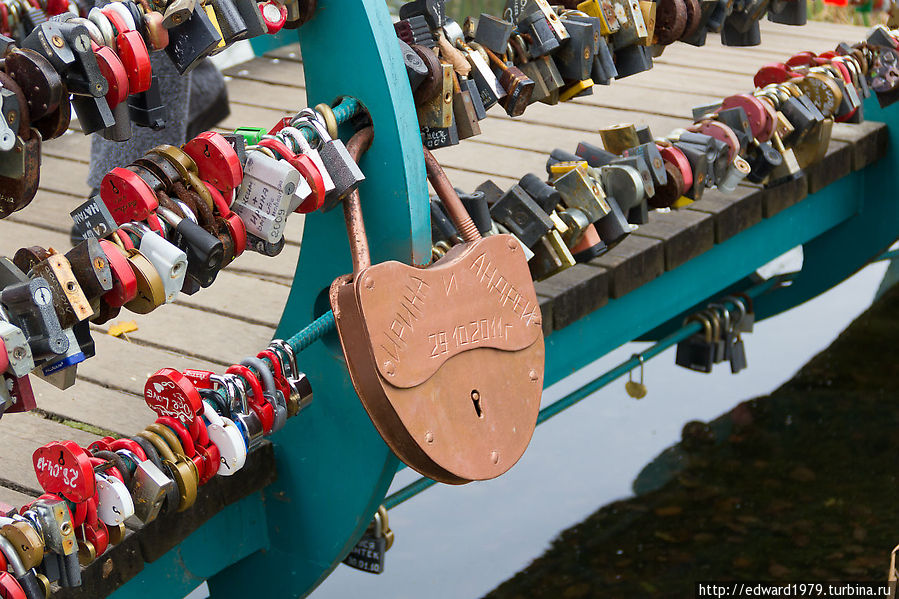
{"points": [[238, 315]]}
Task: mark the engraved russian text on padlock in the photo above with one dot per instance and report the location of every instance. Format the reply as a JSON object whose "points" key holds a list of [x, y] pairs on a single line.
{"points": [[264, 197]]}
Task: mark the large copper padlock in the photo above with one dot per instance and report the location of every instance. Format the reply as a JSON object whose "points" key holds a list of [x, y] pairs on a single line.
{"points": [[447, 360]]}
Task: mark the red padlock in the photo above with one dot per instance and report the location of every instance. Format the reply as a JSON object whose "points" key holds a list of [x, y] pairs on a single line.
{"points": [[238, 230], [103, 444], [124, 281], [274, 15], [283, 122], [721, 132], [21, 393], [187, 441], [755, 112], [114, 72], [201, 379], [4, 19], [772, 73], [679, 160], [4, 357], [256, 399], [277, 373], [308, 170], [56, 7], [136, 59], [64, 468], [130, 445], [93, 530], [110, 471], [217, 162], [212, 457], [128, 197], [170, 393], [9, 586]]}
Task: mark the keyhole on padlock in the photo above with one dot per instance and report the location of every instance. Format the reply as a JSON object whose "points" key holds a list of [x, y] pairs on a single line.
{"points": [[476, 400]]}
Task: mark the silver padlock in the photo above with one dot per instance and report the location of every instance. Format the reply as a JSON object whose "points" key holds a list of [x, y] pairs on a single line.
{"points": [[18, 352], [168, 260], [579, 190], [54, 521], [7, 135], [344, 171], [265, 195], [149, 487], [623, 183], [300, 387], [736, 172], [62, 373], [243, 417], [270, 391], [295, 139]]}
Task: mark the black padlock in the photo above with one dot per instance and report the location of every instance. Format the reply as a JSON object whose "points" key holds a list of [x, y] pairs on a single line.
{"points": [[632, 60], [415, 31], [252, 17], [442, 228], [546, 196], [736, 119], [147, 108], [519, 213], [91, 268], [205, 252], [613, 227], [594, 155], [263, 246], [541, 39], [434, 138], [788, 12], [698, 158], [559, 155], [434, 11], [231, 22], [416, 69], [191, 41], [800, 118], [575, 56], [93, 113], [492, 192], [697, 352], [29, 305], [82, 331], [493, 33], [649, 152], [476, 205], [639, 214], [739, 34], [762, 158], [84, 76]]}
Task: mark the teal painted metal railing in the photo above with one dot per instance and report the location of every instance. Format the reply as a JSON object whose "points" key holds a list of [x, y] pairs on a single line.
{"points": [[333, 468]]}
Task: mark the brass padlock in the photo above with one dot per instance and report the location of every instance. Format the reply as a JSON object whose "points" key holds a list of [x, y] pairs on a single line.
{"points": [[447, 361]]}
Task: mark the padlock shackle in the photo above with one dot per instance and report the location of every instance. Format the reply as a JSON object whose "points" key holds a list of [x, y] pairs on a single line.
{"points": [[447, 194], [352, 208]]}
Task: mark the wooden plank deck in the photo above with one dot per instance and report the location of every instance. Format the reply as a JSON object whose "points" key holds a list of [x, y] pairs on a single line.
{"points": [[237, 315]]}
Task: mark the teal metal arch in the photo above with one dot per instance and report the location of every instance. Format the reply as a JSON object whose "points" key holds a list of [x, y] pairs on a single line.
{"points": [[333, 469]]}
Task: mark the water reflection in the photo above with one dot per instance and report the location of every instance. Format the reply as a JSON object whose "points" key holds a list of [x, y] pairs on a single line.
{"points": [[464, 541]]}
